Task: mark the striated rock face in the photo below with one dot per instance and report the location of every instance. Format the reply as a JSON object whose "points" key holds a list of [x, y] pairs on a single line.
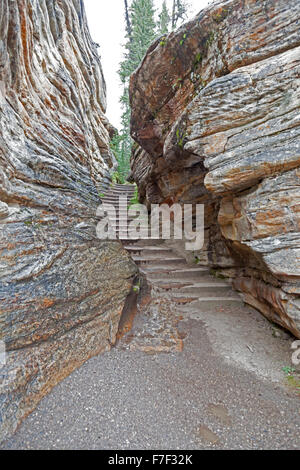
{"points": [[215, 111], [62, 290]]}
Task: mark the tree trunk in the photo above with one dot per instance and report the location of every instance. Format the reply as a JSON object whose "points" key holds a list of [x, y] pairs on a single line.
{"points": [[128, 23], [173, 14]]}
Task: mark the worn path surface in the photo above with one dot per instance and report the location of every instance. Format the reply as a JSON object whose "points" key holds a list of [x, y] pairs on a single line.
{"points": [[192, 399], [198, 370]]}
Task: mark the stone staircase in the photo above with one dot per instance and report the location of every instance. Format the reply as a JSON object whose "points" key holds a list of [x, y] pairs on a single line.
{"points": [[168, 274]]}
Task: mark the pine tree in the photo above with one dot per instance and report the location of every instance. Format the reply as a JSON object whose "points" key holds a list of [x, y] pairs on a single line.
{"points": [[164, 20], [179, 12], [127, 19], [118, 147], [141, 31]]}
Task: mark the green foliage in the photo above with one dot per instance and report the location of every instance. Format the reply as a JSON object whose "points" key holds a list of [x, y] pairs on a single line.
{"points": [[198, 59], [178, 15], [135, 198], [183, 39], [180, 136], [292, 378], [220, 16], [179, 12], [164, 20], [137, 287], [178, 84], [119, 145], [118, 178], [288, 370], [141, 31], [210, 39]]}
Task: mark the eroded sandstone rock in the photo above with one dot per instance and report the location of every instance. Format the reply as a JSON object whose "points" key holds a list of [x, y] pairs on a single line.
{"points": [[62, 290], [215, 110]]}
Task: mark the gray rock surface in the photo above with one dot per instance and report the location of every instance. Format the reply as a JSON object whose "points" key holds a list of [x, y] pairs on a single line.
{"points": [[62, 290]]}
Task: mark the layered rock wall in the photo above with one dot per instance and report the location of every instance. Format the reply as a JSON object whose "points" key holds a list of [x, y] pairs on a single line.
{"points": [[62, 290], [215, 111]]}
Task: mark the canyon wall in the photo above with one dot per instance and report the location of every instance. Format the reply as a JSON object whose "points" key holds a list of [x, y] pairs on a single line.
{"points": [[62, 290], [215, 114]]}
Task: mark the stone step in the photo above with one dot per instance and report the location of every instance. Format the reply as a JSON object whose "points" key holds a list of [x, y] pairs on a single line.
{"points": [[116, 204], [183, 273], [187, 283], [157, 258], [124, 235], [121, 212], [158, 263], [124, 229], [213, 302], [122, 191], [153, 241], [124, 218], [197, 301], [116, 191], [208, 288], [170, 283], [148, 250], [116, 198], [169, 279], [163, 268], [145, 237], [123, 186], [121, 221], [121, 218]]}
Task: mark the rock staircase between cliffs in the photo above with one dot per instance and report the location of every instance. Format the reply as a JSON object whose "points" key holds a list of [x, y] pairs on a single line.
{"points": [[167, 273]]}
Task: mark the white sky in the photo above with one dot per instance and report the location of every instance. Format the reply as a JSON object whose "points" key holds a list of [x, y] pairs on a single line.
{"points": [[106, 23]]}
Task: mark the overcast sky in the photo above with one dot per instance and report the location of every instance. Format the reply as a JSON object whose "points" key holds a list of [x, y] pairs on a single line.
{"points": [[106, 22]]}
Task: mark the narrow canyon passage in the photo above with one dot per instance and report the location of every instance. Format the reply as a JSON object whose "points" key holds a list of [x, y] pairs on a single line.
{"points": [[131, 343], [197, 370]]}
